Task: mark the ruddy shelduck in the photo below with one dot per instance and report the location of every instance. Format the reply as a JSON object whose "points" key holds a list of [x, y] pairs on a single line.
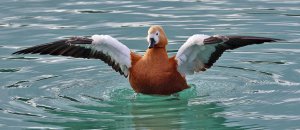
{"points": [[154, 72]]}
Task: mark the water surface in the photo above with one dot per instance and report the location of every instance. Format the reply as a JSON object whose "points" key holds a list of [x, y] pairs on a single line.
{"points": [[255, 87]]}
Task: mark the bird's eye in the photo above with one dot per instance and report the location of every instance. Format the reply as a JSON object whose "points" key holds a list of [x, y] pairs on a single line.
{"points": [[157, 34]]}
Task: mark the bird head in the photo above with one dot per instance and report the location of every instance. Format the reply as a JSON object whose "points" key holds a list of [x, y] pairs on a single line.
{"points": [[156, 37]]}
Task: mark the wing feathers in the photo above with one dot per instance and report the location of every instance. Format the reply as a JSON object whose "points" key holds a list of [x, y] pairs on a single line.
{"points": [[210, 49], [80, 47], [215, 39], [215, 56], [240, 41]]}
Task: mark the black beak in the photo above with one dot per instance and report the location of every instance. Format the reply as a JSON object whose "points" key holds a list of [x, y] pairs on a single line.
{"points": [[152, 43]]}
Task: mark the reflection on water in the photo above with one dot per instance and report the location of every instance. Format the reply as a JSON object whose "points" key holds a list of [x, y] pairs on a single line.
{"points": [[140, 112], [254, 87]]}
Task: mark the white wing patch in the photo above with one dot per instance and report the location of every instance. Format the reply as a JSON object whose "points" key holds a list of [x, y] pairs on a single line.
{"points": [[192, 55], [200, 52], [115, 49]]}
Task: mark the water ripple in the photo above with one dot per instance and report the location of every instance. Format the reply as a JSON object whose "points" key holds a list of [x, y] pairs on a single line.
{"points": [[27, 83], [261, 116], [247, 69], [254, 89], [43, 18], [278, 79], [97, 3], [269, 62], [8, 70], [46, 26]]}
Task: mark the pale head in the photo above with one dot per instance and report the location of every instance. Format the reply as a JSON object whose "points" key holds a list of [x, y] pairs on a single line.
{"points": [[156, 37]]}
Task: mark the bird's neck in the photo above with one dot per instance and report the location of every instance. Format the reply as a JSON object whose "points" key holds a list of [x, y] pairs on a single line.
{"points": [[156, 54]]}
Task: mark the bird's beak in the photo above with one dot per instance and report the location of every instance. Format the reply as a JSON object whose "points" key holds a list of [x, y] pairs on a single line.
{"points": [[152, 43]]}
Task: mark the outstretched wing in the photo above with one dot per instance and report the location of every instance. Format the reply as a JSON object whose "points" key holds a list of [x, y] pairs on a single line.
{"points": [[200, 52], [102, 47]]}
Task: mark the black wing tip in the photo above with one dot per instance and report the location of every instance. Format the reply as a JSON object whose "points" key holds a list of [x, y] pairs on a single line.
{"points": [[271, 39], [20, 52], [71, 41], [267, 39], [277, 40], [16, 53]]}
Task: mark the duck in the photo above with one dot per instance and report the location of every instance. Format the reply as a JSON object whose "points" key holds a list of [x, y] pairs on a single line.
{"points": [[154, 73]]}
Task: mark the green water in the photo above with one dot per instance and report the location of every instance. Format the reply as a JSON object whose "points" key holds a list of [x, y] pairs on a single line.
{"points": [[255, 87]]}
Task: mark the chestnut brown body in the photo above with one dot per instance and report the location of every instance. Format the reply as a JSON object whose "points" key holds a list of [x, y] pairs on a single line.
{"points": [[155, 73]]}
